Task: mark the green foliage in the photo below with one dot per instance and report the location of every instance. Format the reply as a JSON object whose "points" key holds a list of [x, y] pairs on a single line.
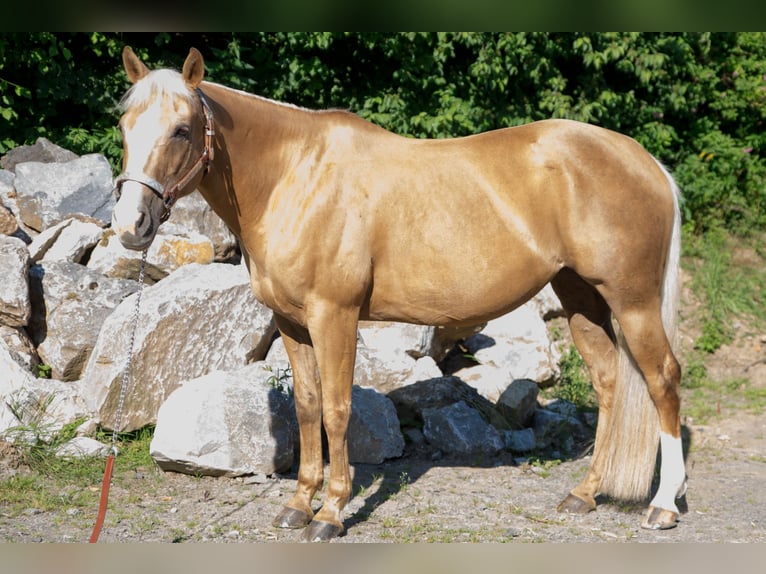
{"points": [[695, 100], [574, 383], [44, 371], [706, 400], [57, 483], [728, 291]]}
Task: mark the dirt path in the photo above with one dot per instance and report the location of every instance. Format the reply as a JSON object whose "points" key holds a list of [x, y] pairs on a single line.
{"points": [[412, 500]]}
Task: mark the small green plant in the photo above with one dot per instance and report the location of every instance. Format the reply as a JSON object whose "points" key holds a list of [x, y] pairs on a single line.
{"points": [[544, 466], [574, 383], [281, 379], [44, 371]]}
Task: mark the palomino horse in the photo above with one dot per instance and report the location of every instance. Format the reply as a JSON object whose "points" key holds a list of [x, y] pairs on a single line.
{"points": [[340, 220]]}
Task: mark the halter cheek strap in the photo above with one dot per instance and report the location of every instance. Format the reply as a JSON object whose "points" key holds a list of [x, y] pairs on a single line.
{"points": [[169, 195]]}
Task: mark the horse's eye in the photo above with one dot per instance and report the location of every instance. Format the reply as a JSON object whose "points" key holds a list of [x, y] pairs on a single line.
{"points": [[182, 132]]}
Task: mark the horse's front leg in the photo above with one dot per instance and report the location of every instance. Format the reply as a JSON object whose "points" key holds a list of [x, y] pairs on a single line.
{"points": [[307, 392], [333, 331]]}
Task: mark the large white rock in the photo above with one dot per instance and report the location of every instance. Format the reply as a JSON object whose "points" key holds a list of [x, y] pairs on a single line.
{"points": [[50, 192], [201, 318], [514, 346], [226, 423]]}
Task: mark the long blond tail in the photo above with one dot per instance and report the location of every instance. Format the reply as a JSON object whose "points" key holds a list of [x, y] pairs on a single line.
{"points": [[632, 437]]}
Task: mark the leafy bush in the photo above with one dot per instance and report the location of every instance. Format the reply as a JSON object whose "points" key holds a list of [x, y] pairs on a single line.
{"points": [[695, 100]]}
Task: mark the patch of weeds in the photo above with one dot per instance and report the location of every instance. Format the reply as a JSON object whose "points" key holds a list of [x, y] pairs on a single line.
{"points": [[281, 380], [706, 400], [133, 450], [390, 522], [542, 467], [574, 383], [43, 371], [695, 373], [55, 483], [725, 289], [755, 399]]}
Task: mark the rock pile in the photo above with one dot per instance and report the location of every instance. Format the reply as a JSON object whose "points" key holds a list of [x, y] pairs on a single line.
{"points": [[209, 369]]}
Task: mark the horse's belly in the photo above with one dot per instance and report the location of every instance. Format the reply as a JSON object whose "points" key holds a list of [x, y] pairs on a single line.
{"points": [[457, 292]]}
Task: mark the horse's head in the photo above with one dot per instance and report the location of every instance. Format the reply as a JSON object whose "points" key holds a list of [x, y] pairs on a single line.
{"points": [[167, 131]]}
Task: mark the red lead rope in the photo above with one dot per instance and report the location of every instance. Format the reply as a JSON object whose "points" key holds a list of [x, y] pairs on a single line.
{"points": [[118, 415], [104, 498]]}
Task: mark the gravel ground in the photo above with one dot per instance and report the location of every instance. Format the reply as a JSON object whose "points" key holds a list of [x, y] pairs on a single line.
{"points": [[412, 499]]}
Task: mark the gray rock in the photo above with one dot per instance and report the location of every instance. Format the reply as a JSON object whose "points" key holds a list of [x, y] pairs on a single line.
{"points": [[69, 240], [166, 254], [82, 447], [388, 373], [199, 319], [547, 303], [561, 406], [15, 306], [518, 402], [14, 374], [373, 429], [8, 201], [520, 441], [70, 304], [460, 429], [21, 346], [412, 400], [50, 192], [389, 340], [370, 370], [43, 151], [192, 215], [490, 381], [553, 429], [228, 424]]}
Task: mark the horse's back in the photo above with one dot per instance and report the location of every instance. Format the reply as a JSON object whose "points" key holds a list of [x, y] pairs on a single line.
{"points": [[461, 229]]}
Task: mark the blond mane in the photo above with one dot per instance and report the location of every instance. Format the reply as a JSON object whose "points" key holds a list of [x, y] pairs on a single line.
{"points": [[156, 83]]}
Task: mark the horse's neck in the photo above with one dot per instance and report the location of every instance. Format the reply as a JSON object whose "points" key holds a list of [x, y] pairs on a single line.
{"points": [[253, 139]]}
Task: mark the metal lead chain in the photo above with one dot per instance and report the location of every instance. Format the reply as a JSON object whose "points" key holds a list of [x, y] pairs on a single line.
{"points": [[126, 372]]}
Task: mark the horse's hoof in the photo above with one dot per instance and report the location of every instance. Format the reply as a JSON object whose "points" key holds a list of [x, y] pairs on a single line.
{"points": [[291, 518], [659, 519], [319, 531], [573, 504]]}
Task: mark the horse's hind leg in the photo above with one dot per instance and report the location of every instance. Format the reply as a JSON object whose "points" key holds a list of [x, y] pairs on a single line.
{"points": [[645, 335], [590, 324]]}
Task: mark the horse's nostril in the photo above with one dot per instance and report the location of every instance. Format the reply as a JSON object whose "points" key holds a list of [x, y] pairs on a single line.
{"points": [[140, 221]]}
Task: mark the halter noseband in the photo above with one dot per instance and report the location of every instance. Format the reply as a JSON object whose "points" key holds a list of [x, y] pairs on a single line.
{"points": [[169, 195]]}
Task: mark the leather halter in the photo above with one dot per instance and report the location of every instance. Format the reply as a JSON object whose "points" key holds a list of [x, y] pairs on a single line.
{"points": [[170, 194]]}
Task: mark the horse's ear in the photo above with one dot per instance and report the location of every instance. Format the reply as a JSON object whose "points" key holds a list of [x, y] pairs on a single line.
{"points": [[194, 68], [134, 67]]}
